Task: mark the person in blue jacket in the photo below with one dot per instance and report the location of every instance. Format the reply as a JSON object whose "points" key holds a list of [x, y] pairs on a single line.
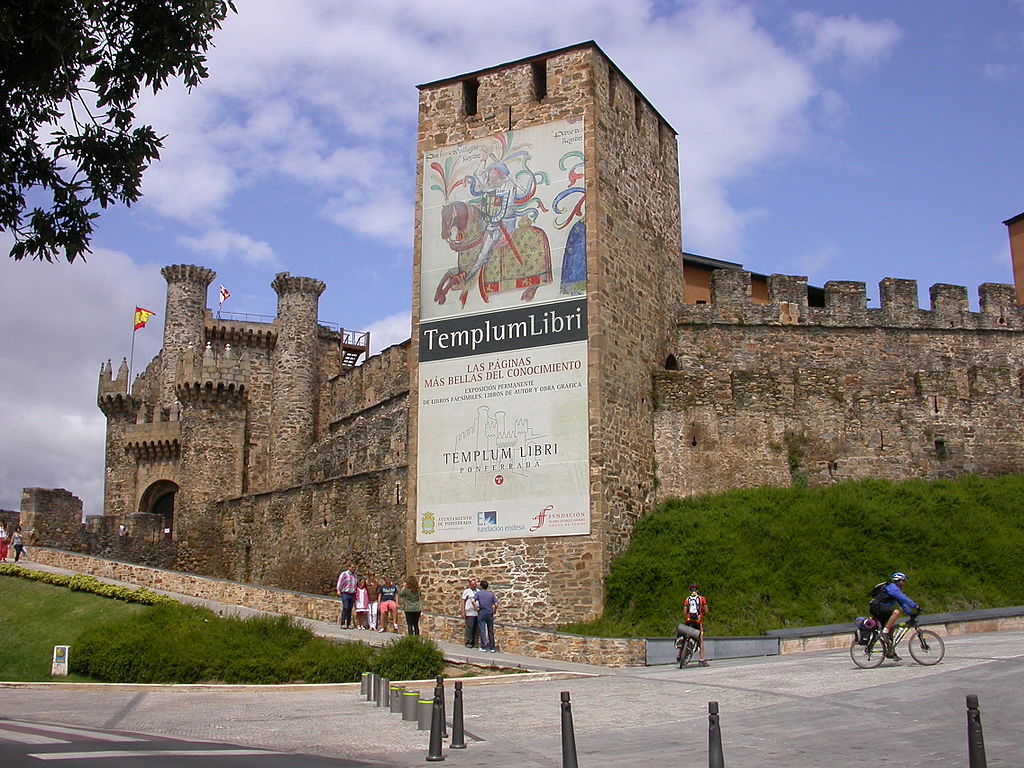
{"points": [[885, 607]]}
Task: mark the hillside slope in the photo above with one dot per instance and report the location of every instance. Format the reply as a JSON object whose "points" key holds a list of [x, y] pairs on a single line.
{"points": [[769, 558]]}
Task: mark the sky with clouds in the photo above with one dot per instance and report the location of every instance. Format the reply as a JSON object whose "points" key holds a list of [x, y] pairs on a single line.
{"points": [[838, 140]]}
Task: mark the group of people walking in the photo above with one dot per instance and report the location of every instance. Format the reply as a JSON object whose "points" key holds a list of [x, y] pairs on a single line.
{"points": [[15, 539], [369, 604]]}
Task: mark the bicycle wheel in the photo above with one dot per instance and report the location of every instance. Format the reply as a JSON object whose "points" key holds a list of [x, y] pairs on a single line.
{"points": [[926, 647], [686, 653], [867, 656]]}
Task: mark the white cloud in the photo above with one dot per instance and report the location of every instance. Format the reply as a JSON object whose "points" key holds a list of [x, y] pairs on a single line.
{"points": [[393, 329], [60, 321], [848, 40], [222, 244]]}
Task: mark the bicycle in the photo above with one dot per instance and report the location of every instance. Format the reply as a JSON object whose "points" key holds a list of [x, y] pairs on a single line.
{"points": [[925, 646], [687, 639], [687, 646]]}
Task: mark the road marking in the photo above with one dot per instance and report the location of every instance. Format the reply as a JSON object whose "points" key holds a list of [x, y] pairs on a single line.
{"points": [[68, 731], [20, 737], [152, 753]]}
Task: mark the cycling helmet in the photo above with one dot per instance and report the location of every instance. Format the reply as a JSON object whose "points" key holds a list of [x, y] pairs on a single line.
{"points": [[693, 587], [898, 576]]}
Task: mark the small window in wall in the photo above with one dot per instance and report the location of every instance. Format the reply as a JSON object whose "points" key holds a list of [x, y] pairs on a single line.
{"points": [[671, 364], [611, 85], [638, 111], [469, 93], [540, 80]]}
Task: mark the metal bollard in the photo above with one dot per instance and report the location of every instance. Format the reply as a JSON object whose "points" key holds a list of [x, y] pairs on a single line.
{"points": [[409, 701], [716, 759], [364, 684], [439, 692], [374, 691], [434, 753], [384, 693], [975, 738], [395, 704], [458, 727], [424, 708], [568, 734]]}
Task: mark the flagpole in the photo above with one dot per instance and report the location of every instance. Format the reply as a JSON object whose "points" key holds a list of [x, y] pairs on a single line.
{"points": [[131, 359]]}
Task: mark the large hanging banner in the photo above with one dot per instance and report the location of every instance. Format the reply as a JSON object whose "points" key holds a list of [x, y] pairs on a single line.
{"points": [[503, 428]]}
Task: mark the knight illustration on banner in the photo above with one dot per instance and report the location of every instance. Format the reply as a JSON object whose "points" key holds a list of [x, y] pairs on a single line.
{"points": [[489, 219]]}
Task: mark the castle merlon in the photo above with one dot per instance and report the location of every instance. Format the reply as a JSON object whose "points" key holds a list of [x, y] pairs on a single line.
{"points": [[846, 304], [211, 373]]}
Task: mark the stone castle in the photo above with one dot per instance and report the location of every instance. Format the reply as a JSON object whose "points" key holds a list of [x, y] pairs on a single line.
{"points": [[263, 450]]}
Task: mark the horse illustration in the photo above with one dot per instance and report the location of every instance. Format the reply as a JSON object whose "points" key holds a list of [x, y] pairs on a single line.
{"points": [[497, 258]]}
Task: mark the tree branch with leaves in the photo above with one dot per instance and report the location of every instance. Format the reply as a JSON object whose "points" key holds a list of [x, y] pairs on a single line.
{"points": [[71, 72]]}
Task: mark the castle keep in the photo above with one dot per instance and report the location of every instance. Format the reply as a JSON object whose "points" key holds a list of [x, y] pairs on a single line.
{"points": [[567, 368]]}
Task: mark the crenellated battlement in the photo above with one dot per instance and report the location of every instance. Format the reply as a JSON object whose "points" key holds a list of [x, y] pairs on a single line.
{"points": [[112, 395], [239, 333], [212, 375], [188, 273], [285, 283], [846, 305]]}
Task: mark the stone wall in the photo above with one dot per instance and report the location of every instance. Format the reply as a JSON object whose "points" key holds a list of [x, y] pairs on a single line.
{"points": [[623, 652], [50, 515], [302, 537], [783, 393]]}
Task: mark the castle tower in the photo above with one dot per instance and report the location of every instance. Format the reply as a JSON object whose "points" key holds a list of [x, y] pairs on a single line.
{"points": [[121, 410], [184, 315], [212, 390], [294, 372], [547, 272]]}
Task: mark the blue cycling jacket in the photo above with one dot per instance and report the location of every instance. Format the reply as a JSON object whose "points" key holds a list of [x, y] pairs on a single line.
{"points": [[896, 596]]}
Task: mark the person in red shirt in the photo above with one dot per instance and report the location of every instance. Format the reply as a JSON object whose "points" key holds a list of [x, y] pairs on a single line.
{"points": [[695, 608]]}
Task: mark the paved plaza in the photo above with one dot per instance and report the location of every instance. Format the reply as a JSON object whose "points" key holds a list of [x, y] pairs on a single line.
{"points": [[814, 709]]}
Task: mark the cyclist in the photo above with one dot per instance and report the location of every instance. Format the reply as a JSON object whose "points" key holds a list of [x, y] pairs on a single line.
{"points": [[695, 608], [886, 601]]}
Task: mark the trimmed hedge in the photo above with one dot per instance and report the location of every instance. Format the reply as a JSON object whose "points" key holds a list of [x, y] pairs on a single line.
{"points": [[185, 644], [82, 583]]}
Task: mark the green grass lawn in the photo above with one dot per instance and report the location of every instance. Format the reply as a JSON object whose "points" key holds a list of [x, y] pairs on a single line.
{"points": [[35, 617]]}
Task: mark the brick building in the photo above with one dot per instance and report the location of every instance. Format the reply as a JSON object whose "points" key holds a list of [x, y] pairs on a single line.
{"points": [[247, 436]]}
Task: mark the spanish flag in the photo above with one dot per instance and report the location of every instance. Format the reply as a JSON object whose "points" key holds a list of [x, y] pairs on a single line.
{"points": [[142, 317]]}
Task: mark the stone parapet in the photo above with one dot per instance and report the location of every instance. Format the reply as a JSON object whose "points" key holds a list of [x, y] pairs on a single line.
{"points": [[846, 305], [211, 375]]}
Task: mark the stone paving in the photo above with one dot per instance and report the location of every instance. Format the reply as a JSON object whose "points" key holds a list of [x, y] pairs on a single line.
{"points": [[792, 711]]}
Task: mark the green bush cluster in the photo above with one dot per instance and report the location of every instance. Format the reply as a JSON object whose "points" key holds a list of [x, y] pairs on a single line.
{"points": [[411, 658], [770, 558], [185, 644], [82, 583]]}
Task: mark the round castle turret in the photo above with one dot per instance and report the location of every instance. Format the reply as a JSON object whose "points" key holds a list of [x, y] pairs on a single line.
{"points": [[294, 364], [183, 320]]}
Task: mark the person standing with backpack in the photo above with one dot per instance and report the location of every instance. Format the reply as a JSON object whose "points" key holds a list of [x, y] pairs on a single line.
{"points": [[695, 608], [883, 606]]}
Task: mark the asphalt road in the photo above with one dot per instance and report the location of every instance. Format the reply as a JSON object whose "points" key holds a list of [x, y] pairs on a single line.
{"points": [[796, 711]]}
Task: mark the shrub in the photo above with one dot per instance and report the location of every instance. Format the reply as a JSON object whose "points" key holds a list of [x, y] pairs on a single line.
{"points": [[184, 644], [411, 658], [82, 583]]}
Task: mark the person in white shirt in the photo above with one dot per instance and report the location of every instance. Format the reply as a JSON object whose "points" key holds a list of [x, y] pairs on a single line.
{"points": [[469, 613]]}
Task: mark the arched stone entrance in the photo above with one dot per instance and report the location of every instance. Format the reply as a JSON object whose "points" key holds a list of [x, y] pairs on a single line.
{"points": [[158, 499]]}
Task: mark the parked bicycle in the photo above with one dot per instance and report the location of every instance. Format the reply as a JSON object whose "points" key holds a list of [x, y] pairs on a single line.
{"points": [[870, 647]]}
